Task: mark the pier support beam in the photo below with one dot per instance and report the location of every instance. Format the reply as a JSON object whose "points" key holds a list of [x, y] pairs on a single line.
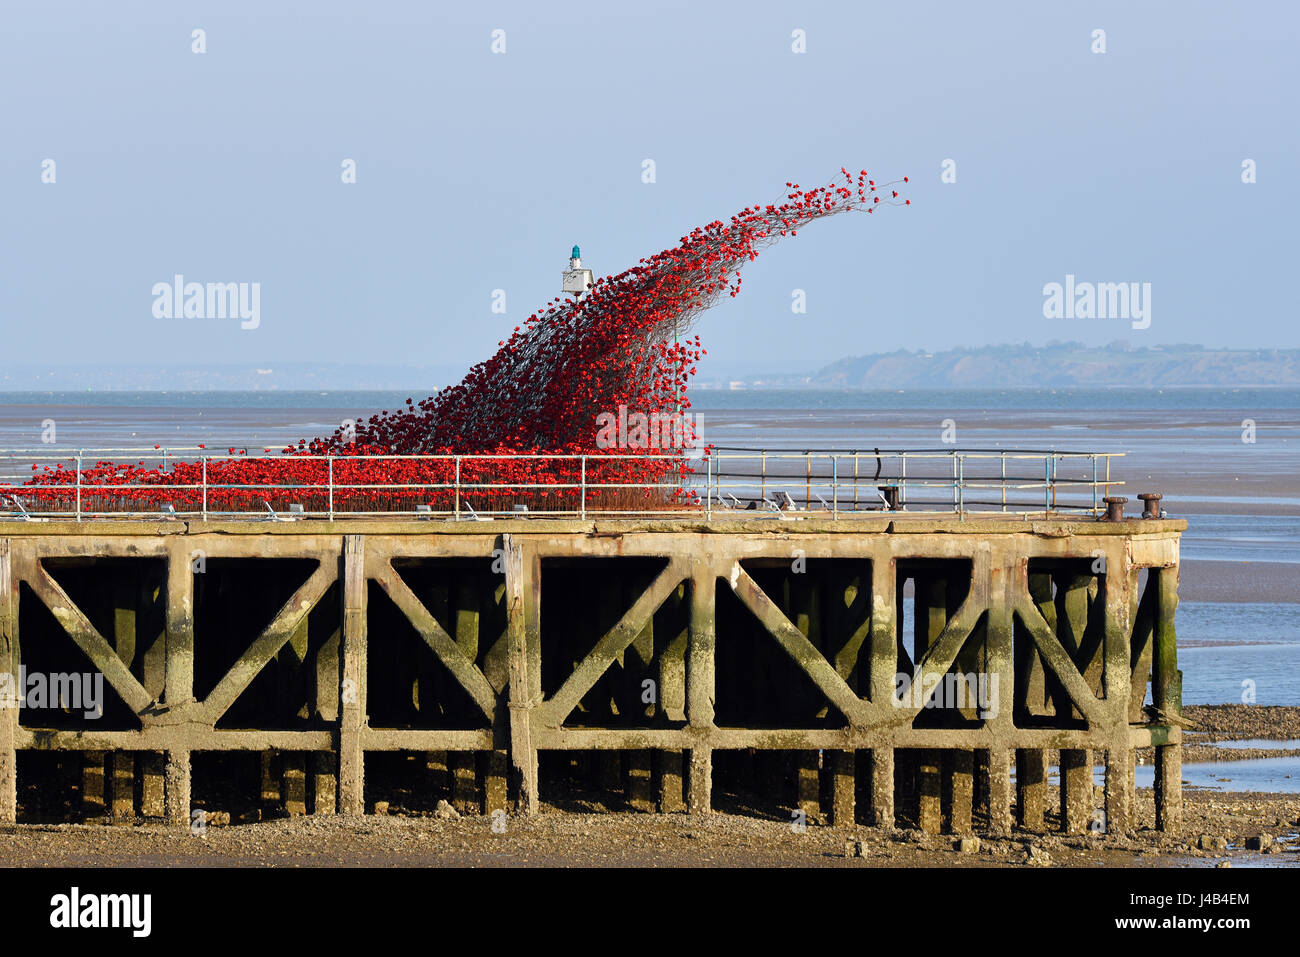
{"points": [[882, 787], [999, 762], [177, 787], [123, 790], [352, 695], [493, 765], [1119, 790], [178, 674], [672, 794], [9, 700], [523, 626], [700, 664], [1031, 787], [959, 782], [294, 765], [325, 784], [883, 664], [94, 785], [1167, 695], [1076, 790], [843, 771]]}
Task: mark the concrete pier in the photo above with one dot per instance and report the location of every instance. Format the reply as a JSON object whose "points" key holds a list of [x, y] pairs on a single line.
{"points": [[895, 668]]}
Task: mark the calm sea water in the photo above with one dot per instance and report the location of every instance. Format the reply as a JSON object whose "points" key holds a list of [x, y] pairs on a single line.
{"points": [[1185, 442]]}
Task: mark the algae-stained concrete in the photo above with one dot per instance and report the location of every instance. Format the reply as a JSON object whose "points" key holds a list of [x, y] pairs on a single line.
{"points": [[505, 653]]}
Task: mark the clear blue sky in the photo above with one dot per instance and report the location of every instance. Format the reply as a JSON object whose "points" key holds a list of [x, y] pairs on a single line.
{"points": [[478, 171]]}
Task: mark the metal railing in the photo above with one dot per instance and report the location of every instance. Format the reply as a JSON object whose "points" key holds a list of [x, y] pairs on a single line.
{"points": [[725, 482], [1011, 481]]}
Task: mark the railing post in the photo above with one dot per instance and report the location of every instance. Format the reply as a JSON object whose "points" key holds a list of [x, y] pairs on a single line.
{"points": [[458, 488], [1003, 456], [835, 487], [204, 483], [79, 452], [961, 485], [902, 482], [708, 488], [1094, 483], [1047, 486], [955, 494], [329, 465], [582, 505], [762, 486]]}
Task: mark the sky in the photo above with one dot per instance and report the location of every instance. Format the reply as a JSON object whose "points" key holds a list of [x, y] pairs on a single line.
{"points": [[477, 169]]}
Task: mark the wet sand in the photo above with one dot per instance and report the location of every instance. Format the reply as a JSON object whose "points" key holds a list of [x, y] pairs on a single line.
{"points": [[1239, 581], [624, 839], [584, 833]]}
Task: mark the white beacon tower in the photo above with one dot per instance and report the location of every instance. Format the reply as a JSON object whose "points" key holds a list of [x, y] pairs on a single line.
{"points": [[575, 279]]}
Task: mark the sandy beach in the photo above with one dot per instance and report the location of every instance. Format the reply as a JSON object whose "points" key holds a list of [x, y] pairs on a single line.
{"points": [[1239, 581]]}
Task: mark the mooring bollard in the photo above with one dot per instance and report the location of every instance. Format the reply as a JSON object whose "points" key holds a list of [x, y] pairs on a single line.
{"points": [[1115, 507], [1150, 504]]}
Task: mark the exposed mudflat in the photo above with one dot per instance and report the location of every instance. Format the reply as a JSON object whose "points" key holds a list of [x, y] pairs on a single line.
{"points": [[1236, 829], [621, 838]]}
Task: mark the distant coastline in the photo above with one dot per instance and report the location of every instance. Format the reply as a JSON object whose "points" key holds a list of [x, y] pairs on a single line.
{"points": [[1056, 365]]}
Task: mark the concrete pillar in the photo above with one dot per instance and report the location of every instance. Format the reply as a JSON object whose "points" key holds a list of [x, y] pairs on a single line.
{"points": [[177, 788], [129, 597], [1121, 601], [325, 782], [523, 626], [1031, 787], [807, 784], [929, 813], [123, 787], [1076, 790], [269, 789], [672, 698], [152, 767], [959, 767], [700, 678], [1169, 788], [94, 785], [352, 696], [999, 763], [294, 764], [843, 785], [464, 795], [9, 670], [1072, 601], [927, 625], [1031, 763], [672, 798], [639, 780], [1119, 790], [699, 793], [178, 674], [467, 615], [1167, 696], [493, 765], [806, 614], [882, 787]]}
